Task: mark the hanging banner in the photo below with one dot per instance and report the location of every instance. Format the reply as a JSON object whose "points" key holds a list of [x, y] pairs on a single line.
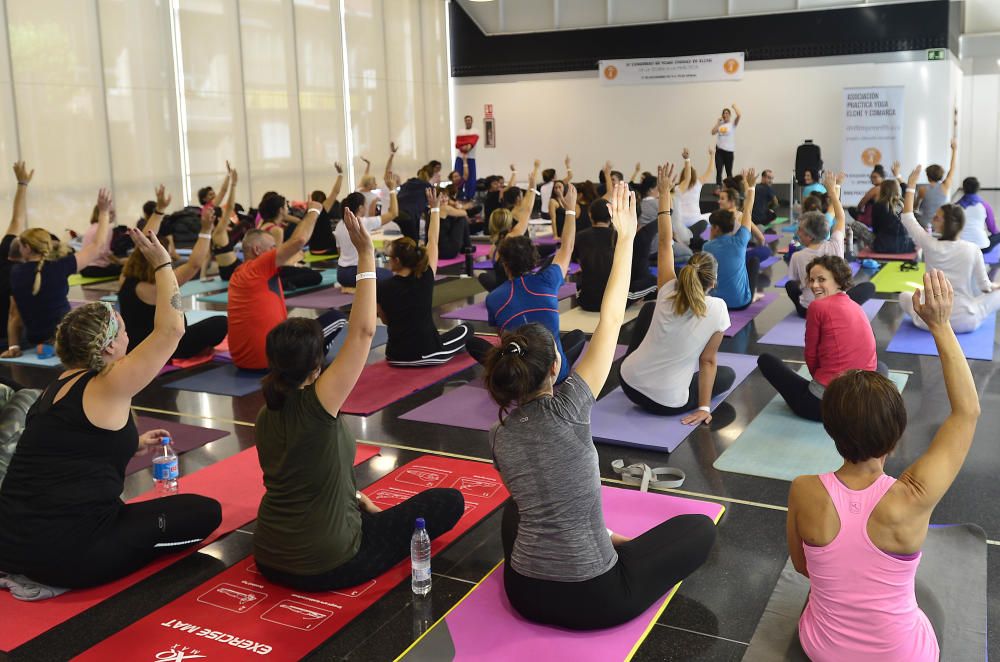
{"points": [[873, 134], [687, 69]]}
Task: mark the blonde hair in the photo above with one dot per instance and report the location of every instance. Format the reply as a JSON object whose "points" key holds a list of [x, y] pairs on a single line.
{"points": [[891, 195], [40, 242], [501, 221], [80, 337], [369, 181], [694, 280]]}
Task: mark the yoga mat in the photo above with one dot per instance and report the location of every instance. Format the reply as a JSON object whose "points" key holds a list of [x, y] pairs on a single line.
{"points": [[791, 331], [892, 279], [77, 279], [183, 438], [30, 357], [482, 250], [195, 316], [332, 297], [774, 259], [992, 257], [578, 318], [239, 605], [778, 444], [738, 319], [950, 588], [487, 265], [190, 288], [477, 312], [468, 406], [454, 290], [616, 420], [768, 236], [309, 258], [976, 345], [329, 278], [855, 267], [236, 482], [226, 379], [483, 626], [902, 257]]}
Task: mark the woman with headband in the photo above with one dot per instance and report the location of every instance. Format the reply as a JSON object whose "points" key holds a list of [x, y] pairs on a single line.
{"points": [[60, 499]]}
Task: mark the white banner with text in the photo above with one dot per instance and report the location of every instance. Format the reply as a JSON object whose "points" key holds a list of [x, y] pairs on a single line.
{"points": [[873, 134], [685, 69]]}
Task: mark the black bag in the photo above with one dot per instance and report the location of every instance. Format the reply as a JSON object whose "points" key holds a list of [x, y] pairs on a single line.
{"points": [[807, 157]]}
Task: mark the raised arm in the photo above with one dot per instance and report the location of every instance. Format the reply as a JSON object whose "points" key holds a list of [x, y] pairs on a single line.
{"points": [[522, 213], [596, 361], [465, 167], [225, 184], [19, 216], [220, 235], [832, 183], [736, 110], [567, 240], [391, 214], [607, 176], [707, 175], [140, 366], [15, 328], [368, 165], [930, 476], [300, 236], [162, 204], [664, 224], [200, 252], [685, 171], [569, 171], [434, 201], [511, 181], [92, 251], [388, 163], [750, 192], [635, 173], [334, 193], [949, 178], [338, 380]]}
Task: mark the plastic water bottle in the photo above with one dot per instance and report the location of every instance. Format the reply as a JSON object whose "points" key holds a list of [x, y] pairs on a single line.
{"points": [[165, 469], [850, 244], [420, 559]]}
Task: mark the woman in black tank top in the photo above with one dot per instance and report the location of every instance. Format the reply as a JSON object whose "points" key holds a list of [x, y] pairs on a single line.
{"points": [[60, 498]]}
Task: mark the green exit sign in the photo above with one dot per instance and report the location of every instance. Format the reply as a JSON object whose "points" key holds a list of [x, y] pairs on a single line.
{"points": [[935, 54]]}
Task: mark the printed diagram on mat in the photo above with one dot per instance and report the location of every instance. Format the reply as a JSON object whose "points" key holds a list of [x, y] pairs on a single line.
{"points": [[387, 497], [477, 486], [422, 476], [296, 615], [232, 598]]}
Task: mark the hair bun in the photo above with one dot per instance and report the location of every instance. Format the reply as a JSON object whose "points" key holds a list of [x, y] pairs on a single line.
{"points": [[513, 348]]}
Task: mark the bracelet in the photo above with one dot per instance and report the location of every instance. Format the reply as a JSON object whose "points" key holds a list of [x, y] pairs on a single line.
{"points": [[165, 264], [365, 275], [204, 235], [661, 213], [570, 212], [435, 209], [313, 209], [707, 410], [21, 184], [159, 212]]}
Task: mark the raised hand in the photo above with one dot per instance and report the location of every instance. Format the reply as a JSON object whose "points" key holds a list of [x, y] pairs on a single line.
{"points": [[569, 201], [104, 201], [356, 230], [338, 167], [312, 204], [566, 163], [914, 177], [22, 173], [841, 176], [232, 179], [393, 148], [934, 303], [391, 181], [150, 247], [365, 161], [829, 180], [623, 215], [665, 180], [895, 169], [163, 198], [229, 168], [749, 178], [685, 154]]}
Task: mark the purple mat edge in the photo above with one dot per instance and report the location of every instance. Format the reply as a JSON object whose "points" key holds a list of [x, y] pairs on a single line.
{"points": [[748, 314], [920, 343]]}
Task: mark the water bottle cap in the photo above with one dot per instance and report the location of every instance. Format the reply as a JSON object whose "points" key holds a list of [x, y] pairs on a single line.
{"points": [[420, 523], [165, 440]]}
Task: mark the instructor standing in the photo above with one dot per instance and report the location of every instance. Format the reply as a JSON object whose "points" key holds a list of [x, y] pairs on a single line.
{"points": [[465, 162], [725, 132]]}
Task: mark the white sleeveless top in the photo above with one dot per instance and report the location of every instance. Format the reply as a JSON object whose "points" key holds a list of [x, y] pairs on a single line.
{"points": [[690, 205]]}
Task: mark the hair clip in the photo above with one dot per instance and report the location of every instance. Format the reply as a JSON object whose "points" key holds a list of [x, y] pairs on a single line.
{"points": [[514, 348]]}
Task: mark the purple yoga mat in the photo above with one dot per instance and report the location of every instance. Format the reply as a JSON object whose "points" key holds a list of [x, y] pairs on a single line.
{"points": [[184, 438], [483, 626], [468, 406], [331, 297], [616, 420], [482, 250], [855, 267], [477, 312], [976, 345], [487, 265], [769, 261], [768, 237], [993, 257], [791, 331], [548, 240], [738, 319]]}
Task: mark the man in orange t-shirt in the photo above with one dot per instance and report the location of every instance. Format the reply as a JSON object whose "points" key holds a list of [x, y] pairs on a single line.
{"points": [[256, 300]]}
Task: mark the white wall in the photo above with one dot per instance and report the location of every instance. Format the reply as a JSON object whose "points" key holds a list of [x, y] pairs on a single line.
{"points": [[546, 118]]}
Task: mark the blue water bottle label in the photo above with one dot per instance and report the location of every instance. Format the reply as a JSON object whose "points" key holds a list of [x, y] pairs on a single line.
{"points": [[165, 470]]}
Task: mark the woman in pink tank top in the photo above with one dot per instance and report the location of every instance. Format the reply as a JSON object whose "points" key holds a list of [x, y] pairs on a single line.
{"points": [[856, 532]]}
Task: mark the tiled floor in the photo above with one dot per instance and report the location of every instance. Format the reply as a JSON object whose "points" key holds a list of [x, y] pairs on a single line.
{"points": [[715, 612]]}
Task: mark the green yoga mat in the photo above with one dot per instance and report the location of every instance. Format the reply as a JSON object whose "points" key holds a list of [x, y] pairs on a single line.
{"points": [[455, 289], [329, 278], [77, 279], [309, 258], [778, 444], [892, 279]]}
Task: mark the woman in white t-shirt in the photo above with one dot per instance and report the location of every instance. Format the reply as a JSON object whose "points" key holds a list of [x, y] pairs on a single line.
{"points": [[725, 133], [690, 193], [347, 263], [976, 297], [671, 364]]}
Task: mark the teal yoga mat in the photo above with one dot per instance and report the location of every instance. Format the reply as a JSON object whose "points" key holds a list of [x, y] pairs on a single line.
{"points": [[778, 444], [329, 278], [188, 289]]}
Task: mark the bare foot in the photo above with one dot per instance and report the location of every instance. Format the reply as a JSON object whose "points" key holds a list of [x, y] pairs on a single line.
{"points": [[757, 296]]}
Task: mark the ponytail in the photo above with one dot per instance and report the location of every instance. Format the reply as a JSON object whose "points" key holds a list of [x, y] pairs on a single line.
{"points": [[411, 255], [517, 368], [37, 285], [276, 387], [294, 352], [694, 280], [40, 242]]}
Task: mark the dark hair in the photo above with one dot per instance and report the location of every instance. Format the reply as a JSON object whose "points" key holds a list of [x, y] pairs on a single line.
{"points": [[270, 206], [724, 219], [935, 173], [836, 266], [970, 185], [600, 211], [468, 117], [148, 208], [294, 351], [733, 195], [548, 175], [433, 164], [812, 203], [864, 414], [511, 196], [646, 185], [410, 255], [203, 194], [318, 196], [954, 221], [518, 254], [354, 201], [618, 174], [812, 175], [517, 368], [879, 170]]}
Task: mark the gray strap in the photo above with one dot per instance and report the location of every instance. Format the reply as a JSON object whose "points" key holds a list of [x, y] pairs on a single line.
{"points": [[646, 477]]}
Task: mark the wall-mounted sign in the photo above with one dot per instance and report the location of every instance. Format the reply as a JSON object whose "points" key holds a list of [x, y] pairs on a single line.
{"points": [[935, 54], [687, 69], [488, 111], [489, 126]]}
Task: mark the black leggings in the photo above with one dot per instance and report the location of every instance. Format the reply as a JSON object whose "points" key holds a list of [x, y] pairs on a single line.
{"points": [[994, 240], [573, 343], [202, 336], [648, 567], [110, 271], [293, 278], [454, 236], [723, 159], [453, 341], [794, 388], [859, 294], [332, 322], [226, 271], [385, 541], [140, 533]]}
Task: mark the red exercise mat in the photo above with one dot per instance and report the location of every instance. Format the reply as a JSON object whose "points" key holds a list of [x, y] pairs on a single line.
{"points": [[236, 482], [239, 615], [380, 384]]}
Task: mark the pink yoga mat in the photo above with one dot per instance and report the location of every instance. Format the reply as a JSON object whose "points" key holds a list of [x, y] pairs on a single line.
{"points": [[331, 297], [738, 319], [484, 627], [901, 257], [482, 250]]}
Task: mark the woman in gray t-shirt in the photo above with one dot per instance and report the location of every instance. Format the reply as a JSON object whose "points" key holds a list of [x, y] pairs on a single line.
{"points": [[563, 566]]}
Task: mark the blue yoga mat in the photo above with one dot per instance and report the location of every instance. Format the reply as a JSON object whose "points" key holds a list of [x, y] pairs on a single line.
{"points": [[225, 379], [976, 345], [188, 289], [791, 331], [855, 267], [30, 357], [329, 278], [195, 316], [778, 444]]}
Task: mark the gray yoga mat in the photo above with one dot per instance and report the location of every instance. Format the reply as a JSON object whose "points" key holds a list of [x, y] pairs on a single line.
{"points": [[950, 587]]}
